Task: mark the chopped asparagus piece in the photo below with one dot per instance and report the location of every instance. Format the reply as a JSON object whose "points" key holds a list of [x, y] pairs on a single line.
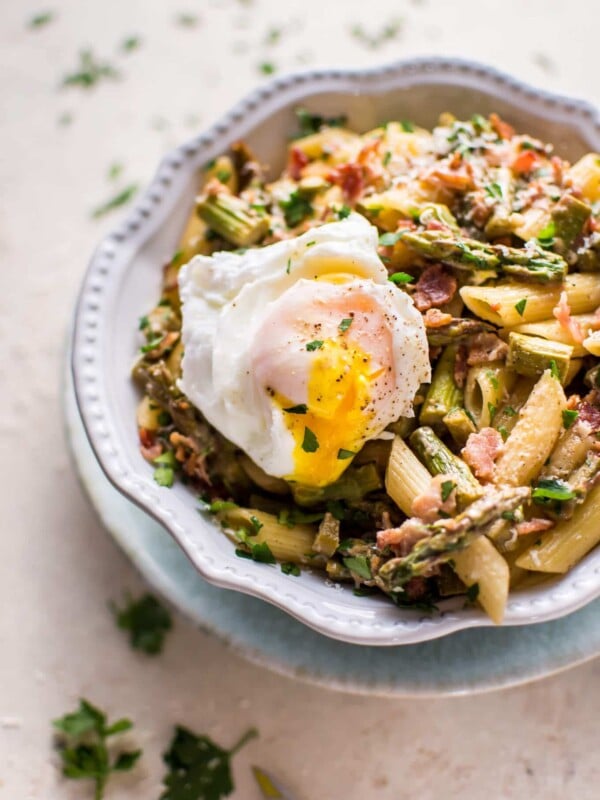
{"points": [[457, 330], [532, 355], [502, 189], [232, 218], [439, 460], [327, 539], [438, 212], [446, 536], [528, 263], [569, 217], [443, 394], [460, 425]]}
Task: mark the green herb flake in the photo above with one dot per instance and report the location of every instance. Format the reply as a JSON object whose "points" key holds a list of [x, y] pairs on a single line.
{"points": [[176, 257], [343, 212], [546, 236], [309, 123], [510, 411], [390, 239], [197, 768], [345, 324], [387, 158], [164, 476], [152, 343], [446, 489], [554, 371], [472, 592], [407, 126], [492, 411], [569, 416], [317, 344], [120, 199], [114, 171], [41, 20], [343, 455], [520, 306], [130, 44], [494, 190], [89, 72], [164, 419], [552, 489], [147, 622], [310, 244], [261, 552], [267, 68], [255, 524], [143, 323], [401, 277], [509, 515], [290, 569], [301, 408], [310, 443], [84, 750], [295, 209], [289, 266], [503, 432], [223, 175], [292, 517], [218, 506], [186, 20], [359, 565]]}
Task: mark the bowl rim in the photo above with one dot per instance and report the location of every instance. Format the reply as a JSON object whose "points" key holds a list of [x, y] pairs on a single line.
{"points": [[143, 220]]}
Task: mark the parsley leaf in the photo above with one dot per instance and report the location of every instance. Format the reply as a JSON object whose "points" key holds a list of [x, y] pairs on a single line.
{"points": [[345, 324], [390, 239], [492, 411], [120, 199], [554, 371], [510, 411], [552, 489], [199, 769], [295, 209], [545, 237], [257, 551], [359, 565], [344, 212], [130, 43], [520, 306], [41, 19], [290, 569], [147, 621], [317, 344], [494, 190], [407, 126], [472, 592], [446, 489], [83, 747], [569, 416], [387, 158], [256, 524], [299, 409], [89, 71], [401, 277], [310, 443], [312, 123], [292, 517], [267, 67], [345, 454]]}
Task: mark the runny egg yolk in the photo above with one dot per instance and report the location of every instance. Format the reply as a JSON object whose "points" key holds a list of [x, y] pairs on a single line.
{"points": [[334, 423]]}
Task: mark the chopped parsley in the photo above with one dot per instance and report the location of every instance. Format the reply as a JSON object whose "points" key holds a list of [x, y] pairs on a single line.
{"points": [[359, 565], [40, 20], [472, 592], [217, 506], [290, 569], [267, 67], [186, 20], [509, 515], [130, 43], [345, 454], [288, 266], [120, 199], [510, 411], [554, 369], [446, 489], [83, 747], [259, 551], [144, 322], [492, 411], [199, 769], [407, 126], [114, 171], [152, 343], [552, 489], [387, 158], [569, 416], [390, 239], [317, 344], [545, 237], [312, 123], [401, 277], [494, 190], [503, 432], [391, 30], [147, 621], [255, 524], [295, 209], [302, 408], [345, 324], [310, 443], [89, 72], [293, 516], [520, 306], [223, 175], [344, 212]]}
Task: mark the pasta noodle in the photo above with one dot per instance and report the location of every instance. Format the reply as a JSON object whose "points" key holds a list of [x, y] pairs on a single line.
{"points": [[486, 387], [405, 478], [483, 565]]}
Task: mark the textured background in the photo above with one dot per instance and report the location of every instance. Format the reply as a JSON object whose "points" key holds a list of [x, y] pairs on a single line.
{"points": [[57, 567]]}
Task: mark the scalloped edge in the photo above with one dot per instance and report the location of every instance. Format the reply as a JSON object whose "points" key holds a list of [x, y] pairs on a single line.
{"points": [[347, 621]]}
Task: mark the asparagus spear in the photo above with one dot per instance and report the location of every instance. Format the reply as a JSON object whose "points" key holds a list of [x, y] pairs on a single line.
{"points": [[443, 394], [569, 217], [446, 536], [532, 355], [327, 539], [457, 330], [439, 460], [232, 218], [529, 263], [460, 425]]}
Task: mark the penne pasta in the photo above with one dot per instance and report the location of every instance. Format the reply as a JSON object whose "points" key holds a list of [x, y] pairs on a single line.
{"points": [[486, 388], [592, 344], [552, 329], [565, 545], [405, 478], [502, 304], [287, 544], [483, 565], [534, 435]]}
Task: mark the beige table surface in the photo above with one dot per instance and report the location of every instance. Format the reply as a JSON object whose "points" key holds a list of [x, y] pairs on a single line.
{"points": [[58, 568]]}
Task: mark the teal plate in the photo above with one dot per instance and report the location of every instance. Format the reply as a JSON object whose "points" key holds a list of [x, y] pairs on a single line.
{"points": [[469, 661]]}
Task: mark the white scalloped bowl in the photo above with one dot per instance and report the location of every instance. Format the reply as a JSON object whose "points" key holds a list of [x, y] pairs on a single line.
{"points": [[122, 282]]}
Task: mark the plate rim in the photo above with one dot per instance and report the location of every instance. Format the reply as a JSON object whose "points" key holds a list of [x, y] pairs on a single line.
{"points": [[144, 220]]}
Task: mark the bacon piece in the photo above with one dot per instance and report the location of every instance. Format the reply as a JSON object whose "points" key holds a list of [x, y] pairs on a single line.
{"points": [[427, 506], [533, 526], [486, 347], [562, 312], [590, 414], [461, 367], [525, 162], [297, 160], [402, 540], [503, 129], [435, 287], [370, 149], [457, 181], [481, 451], [557, 165], [351, 178], [434, 318]]}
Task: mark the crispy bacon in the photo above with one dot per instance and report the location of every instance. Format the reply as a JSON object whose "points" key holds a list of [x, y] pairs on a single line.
{"points": [[503, 129], [401, 540], [562, 312], [525, 162], [481, 451], [427, 506], [351, 179], [434, 318], [534, 525], [486, 347], [435, 287], [297, 160], [591, 414]]}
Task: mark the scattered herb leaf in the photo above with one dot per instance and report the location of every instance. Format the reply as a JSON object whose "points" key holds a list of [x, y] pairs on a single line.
{"points": [[186, 19], [114, 171], [147, 621], [492, 411], [407, 126], [446, 489], [89, 71], [290, 569], [301, 408], [472, 592], [390, 239], [552, 489], [256, 524], [310, 443], [317, 344], [494, 190], [267, 68], [41, 19], [401, 277], [259, 551], [554, 369], [152, 343], [223, 175], [120, 199], [359, 565], [510, 411], [345, 324], [130, 44], [520, 306], [293, 516], [343, 455], [295, 209], [387, 158], [569, 416], [312, 123], [344, 212], [546, 236]]}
